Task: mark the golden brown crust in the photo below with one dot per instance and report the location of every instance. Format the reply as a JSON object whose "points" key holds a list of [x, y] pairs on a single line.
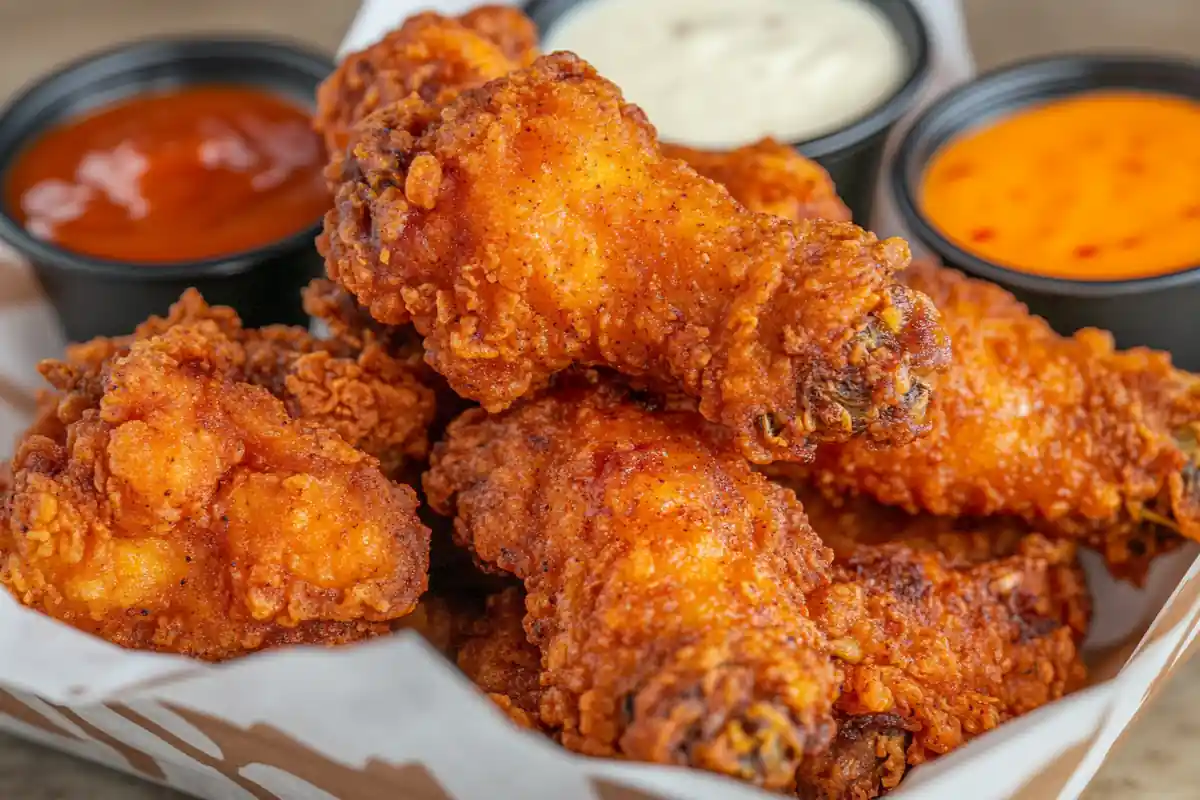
{"points": [[945, 632], [498, 657], [770, 178], [508, 28], [951, 653], [374, 392], [1068, 434], [665, 581], [845, 522], [535, 225], [348, 322], [180, 508], [431, 56], [629, 525]]}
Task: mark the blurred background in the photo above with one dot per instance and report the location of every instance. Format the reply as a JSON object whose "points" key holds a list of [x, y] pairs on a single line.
{"points": [[35, 35]]}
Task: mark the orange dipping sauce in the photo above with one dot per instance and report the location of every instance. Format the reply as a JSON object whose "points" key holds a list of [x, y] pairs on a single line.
{"points": [[1100, 186], [191, 174]]}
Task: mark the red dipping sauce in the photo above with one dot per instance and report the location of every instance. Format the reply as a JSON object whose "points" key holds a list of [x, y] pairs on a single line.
{"points": [[192, 174]]}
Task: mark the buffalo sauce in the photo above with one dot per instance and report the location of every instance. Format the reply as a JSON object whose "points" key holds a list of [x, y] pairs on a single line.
{"points": [[196, 173], [1100, 186]]}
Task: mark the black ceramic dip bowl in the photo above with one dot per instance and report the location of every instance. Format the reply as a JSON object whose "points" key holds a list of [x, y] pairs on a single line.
{"points": [[103, 297], [1162, 312], [851, 154]]}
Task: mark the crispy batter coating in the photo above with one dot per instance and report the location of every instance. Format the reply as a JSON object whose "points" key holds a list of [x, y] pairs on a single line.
{"points": [[499, 658], [1007, 607], [181, 508], [845, 522], [665, 581], [637, 532], [989, 329], [1066, 433], [534, 224], [371, 391], [934, 655], [431, 56], [350, 323], [770, 178], [508, 28]]}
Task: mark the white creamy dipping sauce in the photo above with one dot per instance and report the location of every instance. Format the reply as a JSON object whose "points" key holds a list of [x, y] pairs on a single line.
{"points": [[723, 73]]}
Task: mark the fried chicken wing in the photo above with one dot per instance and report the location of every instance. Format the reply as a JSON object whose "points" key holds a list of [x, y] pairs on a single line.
{"points": [[665, 582], [535, 225], [177, 506], [770, 178], [934, 655], [375, 393], [1066, 433], [1034, 587], [1009, 607], [1016, 394], [430, 56], [638, 533], [846, 522]]}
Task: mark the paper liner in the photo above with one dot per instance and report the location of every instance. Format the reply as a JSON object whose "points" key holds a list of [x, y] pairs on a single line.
{"points": [[391, 718]]}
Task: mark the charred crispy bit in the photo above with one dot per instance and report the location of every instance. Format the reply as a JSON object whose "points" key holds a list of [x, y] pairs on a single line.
{"points": [[867, 759], [665, 581], [534, 224], [770, 178], [1066, 433], [430, 56], [178, 506]]}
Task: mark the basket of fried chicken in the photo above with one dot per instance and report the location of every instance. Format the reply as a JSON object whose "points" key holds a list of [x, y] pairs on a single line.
{"points": [[675, 462]]}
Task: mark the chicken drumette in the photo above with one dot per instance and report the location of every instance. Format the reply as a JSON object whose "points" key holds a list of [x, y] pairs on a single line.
{"points": [[194, 489]]}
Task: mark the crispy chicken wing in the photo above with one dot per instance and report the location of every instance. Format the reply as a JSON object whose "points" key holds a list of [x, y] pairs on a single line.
{"points": [[656, 563], [770, 178], [666, 581], [1015, 392], [1001, 611], [536, 225], [1033, 588], [370, 390], [431, 56], [174, 505], [934, 655], [1066, 433]]}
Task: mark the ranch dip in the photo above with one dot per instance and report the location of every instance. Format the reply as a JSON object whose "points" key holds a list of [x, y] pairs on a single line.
{"points": [[723, 73]]}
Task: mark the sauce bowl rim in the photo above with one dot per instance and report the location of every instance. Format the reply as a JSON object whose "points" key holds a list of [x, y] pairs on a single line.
{"points": [[871, 122], [1002, 83], [157, 50]]}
